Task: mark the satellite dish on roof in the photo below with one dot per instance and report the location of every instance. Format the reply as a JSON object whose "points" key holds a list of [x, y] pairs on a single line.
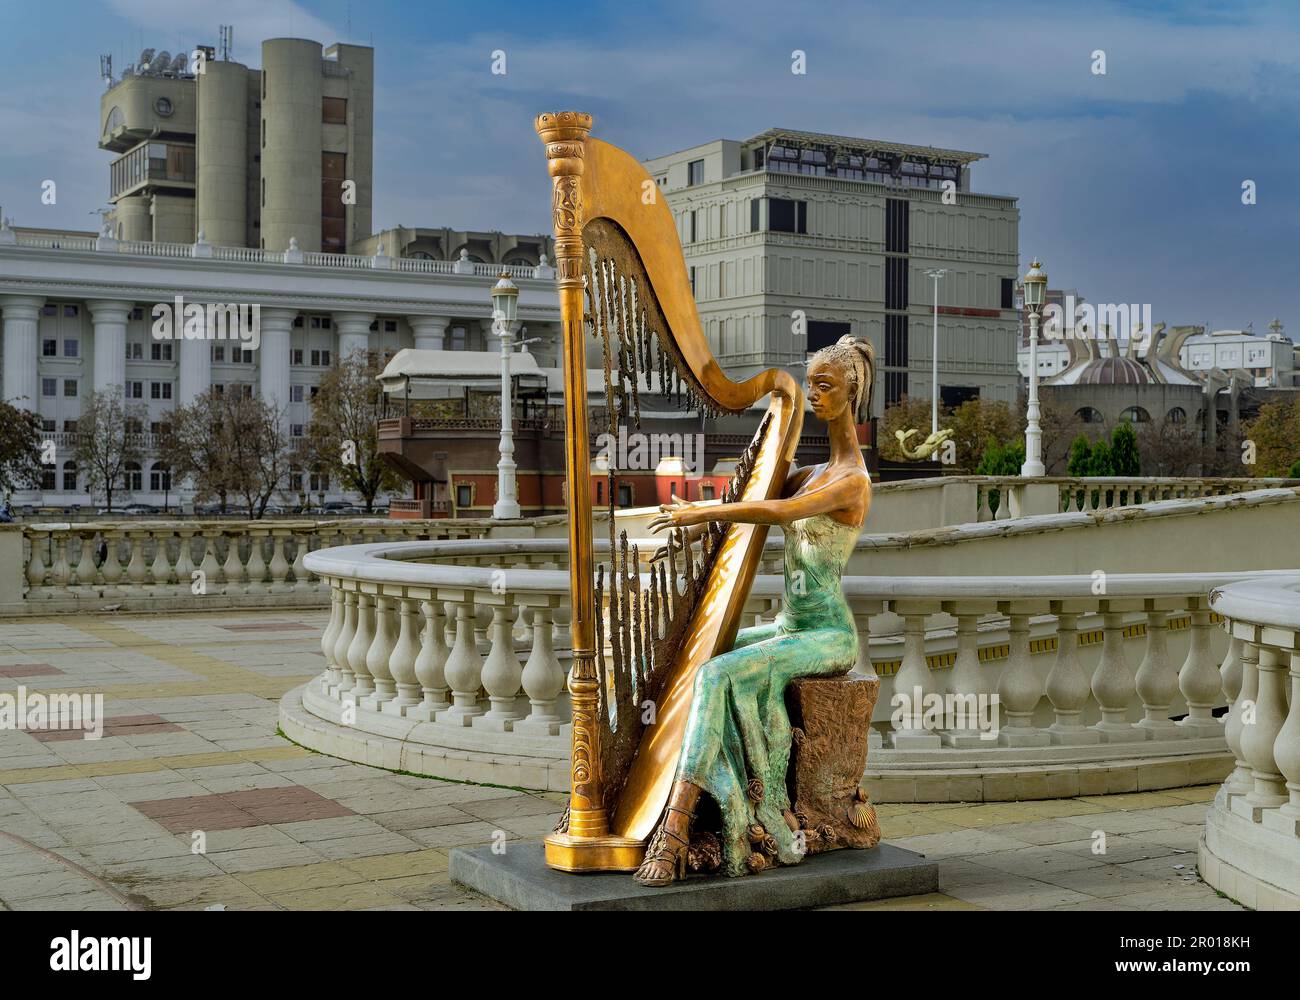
{"points": [[143, 63], [179, 62], [159, 62]]}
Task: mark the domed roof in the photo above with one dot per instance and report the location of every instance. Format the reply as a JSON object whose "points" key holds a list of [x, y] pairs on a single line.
{"points": [[1115, 371]]}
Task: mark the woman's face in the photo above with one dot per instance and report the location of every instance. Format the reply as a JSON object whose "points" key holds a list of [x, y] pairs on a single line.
{"points": [[828, 390]]}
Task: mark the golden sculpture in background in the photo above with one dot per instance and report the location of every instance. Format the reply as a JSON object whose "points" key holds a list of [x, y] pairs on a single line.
{"points": [[926, 448]]}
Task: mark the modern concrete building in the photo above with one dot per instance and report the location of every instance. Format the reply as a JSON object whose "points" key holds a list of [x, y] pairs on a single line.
{"points": [[249, 157], [793, 239]]}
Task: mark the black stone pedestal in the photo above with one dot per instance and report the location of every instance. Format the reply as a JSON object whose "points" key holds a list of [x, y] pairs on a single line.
{"points": [[520, 879]]}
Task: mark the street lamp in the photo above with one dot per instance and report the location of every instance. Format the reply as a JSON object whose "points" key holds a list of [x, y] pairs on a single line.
{"points": [[935, 273], [505, 310], [1035, 289]]}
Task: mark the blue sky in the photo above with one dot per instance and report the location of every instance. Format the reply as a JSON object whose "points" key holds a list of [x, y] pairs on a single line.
{"points": [[1129, 183]]}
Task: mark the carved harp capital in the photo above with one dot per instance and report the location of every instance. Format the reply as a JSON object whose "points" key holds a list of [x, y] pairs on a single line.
{"points": [[564, 133]]}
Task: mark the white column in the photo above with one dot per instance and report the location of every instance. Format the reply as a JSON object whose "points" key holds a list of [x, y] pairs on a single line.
{"points": [[354, 332], [273, 358], [430, 332], [109, 318], [195, 369], [22, 314], [1033, 465], [507, 505]]}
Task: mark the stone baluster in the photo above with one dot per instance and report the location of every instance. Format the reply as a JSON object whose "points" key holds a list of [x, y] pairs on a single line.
{"points": [[208, 565], [160, 570], [60, 571], [542, 679], [185, 561], [430, 662], [302, 582], [86, 562], [1286, 751], [401, 662], [1268, 787], [331, 675], [1113, 684], [1019, 687], [365, 635], [136, 569], [232, 570], [1240, 781], [111, 570], [279, 567], [347, 632], [912, 682], [1198, 678], [502, 674], [464, 667], [1155, 681], [377, 655], [36, 562], [256, 568], [1067, 683], [971, 686]]}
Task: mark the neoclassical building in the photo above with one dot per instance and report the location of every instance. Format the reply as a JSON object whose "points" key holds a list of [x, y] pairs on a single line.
{"points": [[76, 314]]}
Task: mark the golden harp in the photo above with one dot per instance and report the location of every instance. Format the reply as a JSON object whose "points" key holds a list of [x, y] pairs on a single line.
{"points": [[622, 277]]}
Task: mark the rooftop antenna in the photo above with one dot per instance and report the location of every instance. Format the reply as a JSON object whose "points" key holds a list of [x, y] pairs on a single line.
{"points": [[227, 33], [106, 69]]}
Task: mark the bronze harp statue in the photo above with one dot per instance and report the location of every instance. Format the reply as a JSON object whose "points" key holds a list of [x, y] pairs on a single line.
{"points": [[622, 279]]}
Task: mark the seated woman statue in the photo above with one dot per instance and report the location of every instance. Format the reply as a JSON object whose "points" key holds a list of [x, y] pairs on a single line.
{"points": [[736, 745]]}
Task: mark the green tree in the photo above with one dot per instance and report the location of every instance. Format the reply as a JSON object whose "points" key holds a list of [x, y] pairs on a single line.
{"points": [[20, 448], [1294, 472], [1275, 433], [1124, 458], [1080, 452], [1002, 459], [1099, 461]]}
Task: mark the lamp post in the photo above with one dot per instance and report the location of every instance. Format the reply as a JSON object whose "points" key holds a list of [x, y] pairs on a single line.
{"points": [[935, 274], [505, 309], [1035, 289]]}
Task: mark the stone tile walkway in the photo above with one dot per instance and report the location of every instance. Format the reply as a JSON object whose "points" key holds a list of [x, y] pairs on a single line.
{"points": [[192, 801]]}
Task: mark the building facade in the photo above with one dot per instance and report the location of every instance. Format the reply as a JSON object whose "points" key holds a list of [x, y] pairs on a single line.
{"points": [[249, 157], [794, 239]]}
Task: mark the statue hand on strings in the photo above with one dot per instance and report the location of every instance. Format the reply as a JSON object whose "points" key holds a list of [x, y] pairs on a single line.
{"points": [[679, 514]]}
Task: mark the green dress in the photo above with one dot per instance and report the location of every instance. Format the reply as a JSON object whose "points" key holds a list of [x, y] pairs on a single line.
{"points": [[737, 741]]}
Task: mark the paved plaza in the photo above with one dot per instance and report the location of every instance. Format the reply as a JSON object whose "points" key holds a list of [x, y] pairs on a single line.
{"points": [[191, 799]]}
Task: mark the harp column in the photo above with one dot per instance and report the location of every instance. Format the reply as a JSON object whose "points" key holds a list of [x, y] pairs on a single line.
{"points": [[586, 844]]}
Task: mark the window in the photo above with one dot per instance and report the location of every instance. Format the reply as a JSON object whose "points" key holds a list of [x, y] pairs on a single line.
{"points": [[132, 477], [695, 173], [135, 390], [896, 341], [897, 237], [135, 351], [895, 387], [137, 314], [71, 311], [333, 213], [69, 426], [47, 424], [822, 334], [319, 482], [49, 387], [691, 228], [314, 389], [786, 216], [334, 110], [1177, 415], [625, 494], [160, 352], [895, 282], [69, 477], [692, 281], [464, 495], [218, 352], [1008, 293], [295, 430], [706, 491], [952, 396], [1088, 415], [1135, 415], [160, 390], [295, 394], [47, 480], [49, 310], [160, 478], [49, 348], [69, 387], [753, 215], [390, 326]]}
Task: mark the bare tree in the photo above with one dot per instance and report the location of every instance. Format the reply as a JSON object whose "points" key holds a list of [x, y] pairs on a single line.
{"points": [[196, 446], [109, 438], [259, 456], [343, 435]]}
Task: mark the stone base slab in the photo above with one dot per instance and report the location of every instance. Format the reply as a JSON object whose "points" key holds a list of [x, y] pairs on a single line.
{"points": [[1257, 866], [520, 879]]}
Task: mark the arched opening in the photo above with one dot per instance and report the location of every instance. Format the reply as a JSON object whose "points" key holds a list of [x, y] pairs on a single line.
{"points": [[160, 477], [132, 477], [1135, 415], [1088, 415], [1177, 415]]}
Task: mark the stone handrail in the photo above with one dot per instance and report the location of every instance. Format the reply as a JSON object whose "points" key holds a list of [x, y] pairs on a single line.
{"points": [[1051, 655], [1251, 849]]}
